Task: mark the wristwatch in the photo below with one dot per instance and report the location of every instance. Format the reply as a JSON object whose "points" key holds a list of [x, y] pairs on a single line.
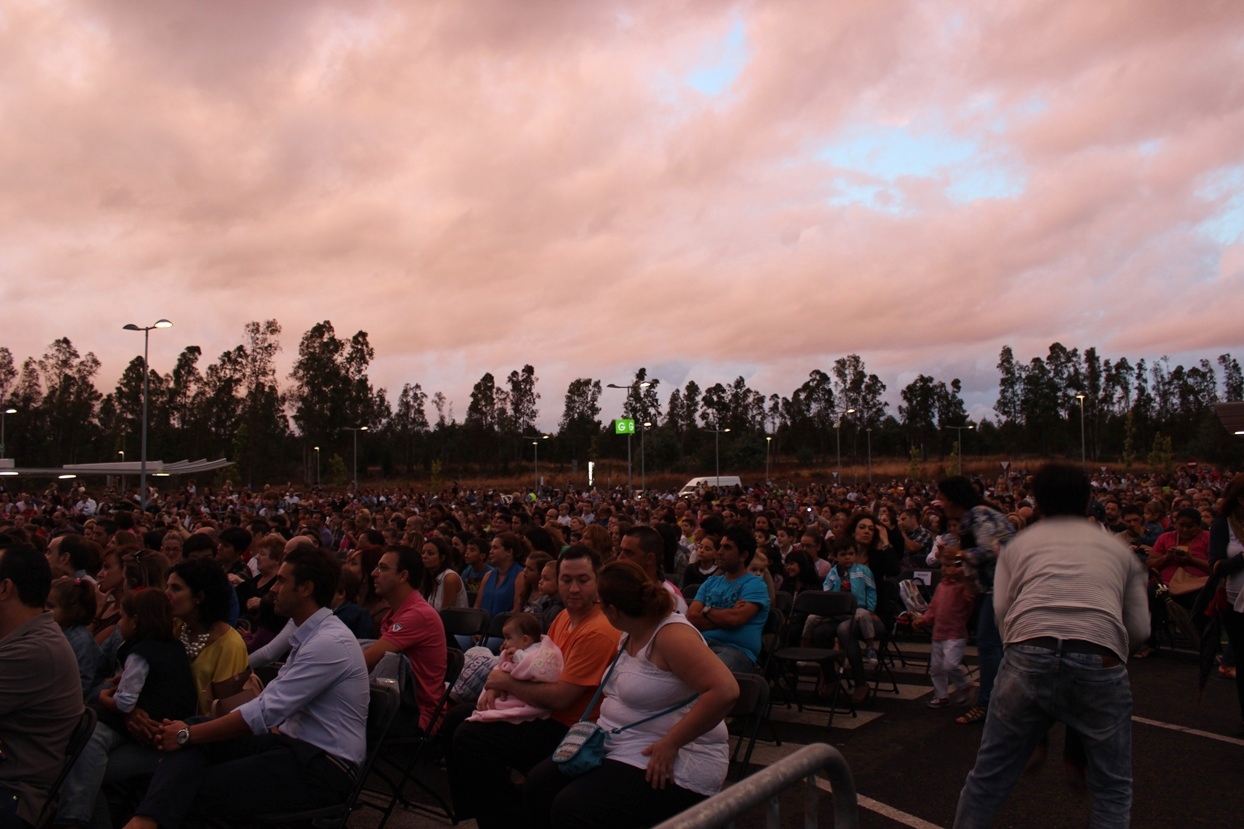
{"points": [[183, 736]]}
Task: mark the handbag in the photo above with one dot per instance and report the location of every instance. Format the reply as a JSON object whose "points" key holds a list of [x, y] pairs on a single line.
{"points": [[234, 692], [583, 747], [1184, 582]]}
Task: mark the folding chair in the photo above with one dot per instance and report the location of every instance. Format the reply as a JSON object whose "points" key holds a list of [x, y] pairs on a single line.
{"points": [[750, 710], [689, 591], [465, 621], [383, 703], [77, 741], [413, 748], [835, 606]]}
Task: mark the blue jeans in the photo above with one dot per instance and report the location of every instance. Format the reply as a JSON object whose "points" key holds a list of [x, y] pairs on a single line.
{"points": [[989, 649], [1035, 688], [736, 659], [107, 757]]}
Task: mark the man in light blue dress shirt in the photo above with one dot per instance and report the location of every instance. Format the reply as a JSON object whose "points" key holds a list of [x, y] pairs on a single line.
{"points": [[298, 745]]}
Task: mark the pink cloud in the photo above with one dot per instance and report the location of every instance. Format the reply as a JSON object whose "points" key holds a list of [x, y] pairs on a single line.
{"points": [[484, 185]]}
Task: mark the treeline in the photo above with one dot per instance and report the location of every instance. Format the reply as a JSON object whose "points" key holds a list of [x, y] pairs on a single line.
{"points": [[303, 426]]}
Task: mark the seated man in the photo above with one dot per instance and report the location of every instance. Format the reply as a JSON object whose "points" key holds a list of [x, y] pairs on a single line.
{"points": [[298, 745], [413, 628], [40, 696], [730, 609], [483, 753], [644, 546]]}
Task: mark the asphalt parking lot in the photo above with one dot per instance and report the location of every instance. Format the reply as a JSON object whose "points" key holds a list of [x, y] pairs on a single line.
{"points": [[909, 762]]}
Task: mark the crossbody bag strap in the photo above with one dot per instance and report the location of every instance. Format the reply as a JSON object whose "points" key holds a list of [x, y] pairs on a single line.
{"points": [[670, 710], [601, 687]]}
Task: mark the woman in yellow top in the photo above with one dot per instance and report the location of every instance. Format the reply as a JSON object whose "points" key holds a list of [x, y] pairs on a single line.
{"points": [[201, 595]]}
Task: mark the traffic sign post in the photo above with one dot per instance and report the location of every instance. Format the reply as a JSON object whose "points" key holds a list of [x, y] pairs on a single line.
{"points": [[626, 426]]}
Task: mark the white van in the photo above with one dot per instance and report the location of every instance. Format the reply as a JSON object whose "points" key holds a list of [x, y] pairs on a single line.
{"points": [[693, 486]]}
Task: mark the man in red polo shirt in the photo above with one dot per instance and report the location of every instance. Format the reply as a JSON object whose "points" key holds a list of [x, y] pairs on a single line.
{"points": [[412, 627]]}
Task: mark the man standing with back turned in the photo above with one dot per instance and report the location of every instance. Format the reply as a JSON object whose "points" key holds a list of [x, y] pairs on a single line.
{"points": [[1071, 600]]}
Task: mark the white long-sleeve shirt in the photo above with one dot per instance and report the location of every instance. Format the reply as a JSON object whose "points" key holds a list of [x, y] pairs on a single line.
{"points": [[1064, 578]]}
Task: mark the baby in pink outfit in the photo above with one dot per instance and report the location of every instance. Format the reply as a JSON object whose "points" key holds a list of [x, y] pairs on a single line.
{"points": [[527, 655]]}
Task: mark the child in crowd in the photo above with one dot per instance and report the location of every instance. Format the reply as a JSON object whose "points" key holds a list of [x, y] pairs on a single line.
{"points": [[528, 655], [537, 600], [155, 677], [351, 615], [856, 579], [548, 587], [948, 615], [72, 602], [950, 538], [475, 553]]}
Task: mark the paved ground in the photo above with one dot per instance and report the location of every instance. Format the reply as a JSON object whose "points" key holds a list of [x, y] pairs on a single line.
{"points": [[909, 762]]}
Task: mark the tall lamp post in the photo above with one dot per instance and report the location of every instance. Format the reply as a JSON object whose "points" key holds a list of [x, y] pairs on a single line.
{"points": [[142, 461], [643, 385], [317, 465], [768, 443], [535, 464], [1080, 397], [838, 440], [717, 453], [355, 430], [643, 481], [121, 452], [8, 410], [959, 430]]}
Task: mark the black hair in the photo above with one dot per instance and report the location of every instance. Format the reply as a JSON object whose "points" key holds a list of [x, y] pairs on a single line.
{"points": [[311, 564], [30, 572], [1063, 490], [410, 560], [78, 549], [204, 577], [959, 491], [237, 538], [198, 543], [579, 551], [740, 532]]}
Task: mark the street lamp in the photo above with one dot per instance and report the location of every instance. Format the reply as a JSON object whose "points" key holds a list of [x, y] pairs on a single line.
{"points": [[536, 460], [643, 385], [355, 430], [768, 443], [121, 452], [5, 411], [1080, 397], [643, 481], [317, 465], [717, 453], [838, 440], [959, 430], [142, 463]]}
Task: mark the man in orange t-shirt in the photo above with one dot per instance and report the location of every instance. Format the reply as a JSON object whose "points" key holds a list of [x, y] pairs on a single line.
{"points": [[483, 753]]}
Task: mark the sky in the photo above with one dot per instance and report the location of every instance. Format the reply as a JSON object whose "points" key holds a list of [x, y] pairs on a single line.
{"points": [[705, 189]]}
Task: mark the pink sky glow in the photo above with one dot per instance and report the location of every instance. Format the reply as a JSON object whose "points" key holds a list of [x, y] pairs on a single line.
{"points": [[707, 189]]}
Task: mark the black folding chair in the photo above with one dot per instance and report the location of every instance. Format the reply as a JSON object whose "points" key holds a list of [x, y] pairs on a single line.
{"points": [[496, 624], [750, 710], [403, 754], [465, 621], [77, 741], [834, 606], [382, 706]]}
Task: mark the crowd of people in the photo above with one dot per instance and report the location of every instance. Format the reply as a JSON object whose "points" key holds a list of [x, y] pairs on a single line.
{"points": [[649, 602]]}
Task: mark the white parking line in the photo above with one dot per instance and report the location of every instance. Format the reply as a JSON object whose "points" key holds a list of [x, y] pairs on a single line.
{"points": [[1172, 727], [882, 809]]}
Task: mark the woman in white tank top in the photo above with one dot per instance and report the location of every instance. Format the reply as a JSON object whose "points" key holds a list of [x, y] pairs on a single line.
{"points": [[656, 769]]}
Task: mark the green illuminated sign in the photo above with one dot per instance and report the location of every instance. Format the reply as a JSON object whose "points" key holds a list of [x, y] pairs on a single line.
{"points": [[624, 426]]}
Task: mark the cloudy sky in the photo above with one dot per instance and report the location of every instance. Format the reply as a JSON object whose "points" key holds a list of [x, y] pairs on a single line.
{"points": [[707, 189]]}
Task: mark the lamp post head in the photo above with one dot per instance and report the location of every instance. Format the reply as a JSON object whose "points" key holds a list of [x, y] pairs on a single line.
{"points": [[362, 428], [316, 448], [10, 410], [727, 429], [849, 411], [647, 423], [129, 326], [162, 324]]}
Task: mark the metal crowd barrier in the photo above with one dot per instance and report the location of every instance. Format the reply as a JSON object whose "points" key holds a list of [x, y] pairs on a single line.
{"points": [[722, 808]]}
